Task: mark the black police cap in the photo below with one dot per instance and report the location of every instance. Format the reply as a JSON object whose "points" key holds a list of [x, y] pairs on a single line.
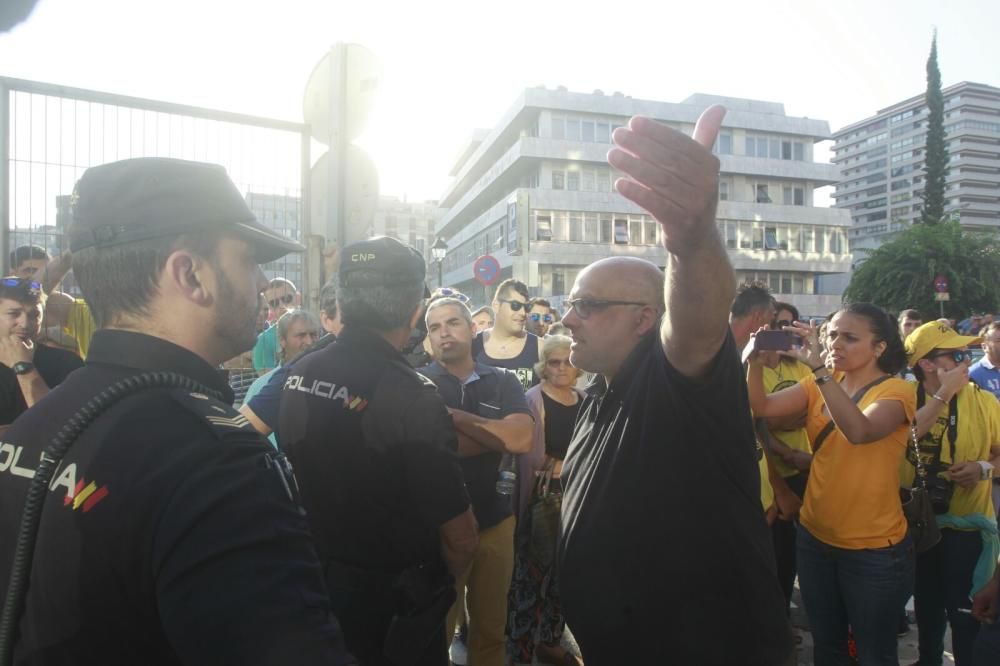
{"points": [[155, 197], [380, 261]]}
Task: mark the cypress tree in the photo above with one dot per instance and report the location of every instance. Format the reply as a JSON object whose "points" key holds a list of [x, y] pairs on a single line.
{"points": [[935, 152]]}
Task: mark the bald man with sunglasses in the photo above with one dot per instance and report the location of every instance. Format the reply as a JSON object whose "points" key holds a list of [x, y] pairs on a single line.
{"points": [[662, 537]]}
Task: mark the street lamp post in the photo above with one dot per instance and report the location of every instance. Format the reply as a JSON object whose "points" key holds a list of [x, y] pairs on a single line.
{"points": [[439, 250]]}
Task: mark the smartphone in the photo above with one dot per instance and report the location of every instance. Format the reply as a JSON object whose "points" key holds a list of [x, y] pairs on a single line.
{"points": [[775, 340]]}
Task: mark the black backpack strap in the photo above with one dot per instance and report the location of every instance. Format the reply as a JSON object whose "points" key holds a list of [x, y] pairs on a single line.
{"points": [[856, 398]]}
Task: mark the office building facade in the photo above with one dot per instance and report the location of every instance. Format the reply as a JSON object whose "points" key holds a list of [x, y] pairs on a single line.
{"points": [[537, 194], [881, 162]]}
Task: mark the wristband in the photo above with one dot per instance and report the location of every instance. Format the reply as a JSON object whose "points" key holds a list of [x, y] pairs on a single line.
{"points": [[940, 399], [985, 470], [823, 380], [818, 367]]}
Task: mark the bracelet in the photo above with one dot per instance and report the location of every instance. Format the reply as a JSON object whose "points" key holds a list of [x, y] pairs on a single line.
{"points": [[940, 399], [818, 367], [823, 380], [985, 470]]}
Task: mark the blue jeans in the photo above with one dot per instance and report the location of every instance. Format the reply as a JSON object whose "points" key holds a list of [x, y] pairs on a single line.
{"points": [[861, 588], [944, 577]]}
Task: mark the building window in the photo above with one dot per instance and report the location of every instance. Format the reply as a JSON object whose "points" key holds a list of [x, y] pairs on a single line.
{"points": [[605, 230], [770, 238], [590, 228], [589, 181], [725, 144], [800, 196], [786, 195], [793, 239], [576, 227], [731, 235], [786, 150], [786, 284], [758, 238], [559, 226], [836, 242], [543, 228], [808, 233], [558, 127], [603, 134], [635, 232], [750, 148], [572, 129], [745, 235], [723, 190], [760, 193], [821, 241], [573, 180], [650, 232], [621, 232], [558, 180], [587, 127]]}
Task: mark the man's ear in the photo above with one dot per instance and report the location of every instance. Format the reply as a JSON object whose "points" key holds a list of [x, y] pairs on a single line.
{"points": [[648, 316], [189, 276]]}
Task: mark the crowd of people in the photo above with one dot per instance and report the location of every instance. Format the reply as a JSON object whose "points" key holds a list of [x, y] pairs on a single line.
{"points": [[449, 484]]}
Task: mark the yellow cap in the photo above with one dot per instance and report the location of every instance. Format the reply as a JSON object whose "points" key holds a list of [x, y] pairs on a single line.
{"points": [[934, 335]]}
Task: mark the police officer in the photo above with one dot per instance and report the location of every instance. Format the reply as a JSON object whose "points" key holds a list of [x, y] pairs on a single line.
{"points": [[374, 449], [169, 534]]}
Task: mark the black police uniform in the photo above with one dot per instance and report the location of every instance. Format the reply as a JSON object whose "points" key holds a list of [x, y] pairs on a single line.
{"points": [[168, 535], [374, 451]]}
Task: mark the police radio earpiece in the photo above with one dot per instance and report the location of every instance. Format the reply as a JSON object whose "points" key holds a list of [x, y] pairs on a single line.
{"points": [[17, 587]]}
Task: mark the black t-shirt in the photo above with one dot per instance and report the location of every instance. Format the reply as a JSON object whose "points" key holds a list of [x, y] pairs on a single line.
{"points": [[523, 364], [661, 521], [54, 365], [167, 536], [374, 452], [559, 422], [493, 393]]}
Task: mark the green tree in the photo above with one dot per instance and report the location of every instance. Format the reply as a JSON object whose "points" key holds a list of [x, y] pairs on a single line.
{"points": [[900, 274], [935, 153]]}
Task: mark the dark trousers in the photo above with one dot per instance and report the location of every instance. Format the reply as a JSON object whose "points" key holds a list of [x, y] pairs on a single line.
{"points": [[364, 602], [861, 588], [943, 581], [987, 649], [783, 536]]}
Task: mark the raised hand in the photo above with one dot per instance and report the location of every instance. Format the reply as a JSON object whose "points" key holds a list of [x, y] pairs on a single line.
{"points": [[671, 175], [952, 380], [13, 350]]}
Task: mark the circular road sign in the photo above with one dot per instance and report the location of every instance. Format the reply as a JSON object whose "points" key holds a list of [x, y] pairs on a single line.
{"points": [[486, 270]]}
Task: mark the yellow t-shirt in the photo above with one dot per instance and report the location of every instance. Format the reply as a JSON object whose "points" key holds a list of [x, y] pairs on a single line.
{"points": [[788, 373], [978, 429], [80, 325], [852, 498]]}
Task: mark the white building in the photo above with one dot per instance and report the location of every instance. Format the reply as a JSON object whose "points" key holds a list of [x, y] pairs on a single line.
{"points": [[283, 214], [537, 193], [412, 222], [881, 161]]}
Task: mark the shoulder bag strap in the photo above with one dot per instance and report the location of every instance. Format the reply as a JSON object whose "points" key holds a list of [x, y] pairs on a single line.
{"points": [[828, 428], [952, 420]]}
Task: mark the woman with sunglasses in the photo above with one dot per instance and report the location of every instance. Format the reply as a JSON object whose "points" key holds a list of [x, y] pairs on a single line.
{"points": [[534, 602], [854, 553], [959, 429]]}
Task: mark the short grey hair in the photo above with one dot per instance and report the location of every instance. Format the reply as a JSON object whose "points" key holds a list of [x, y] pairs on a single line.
{"points": [[286, 320], [463, 309], [380, 308], [550, 344]]}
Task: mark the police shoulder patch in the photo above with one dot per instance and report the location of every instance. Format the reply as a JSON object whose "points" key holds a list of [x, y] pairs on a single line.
{"points": [[221, 418]]}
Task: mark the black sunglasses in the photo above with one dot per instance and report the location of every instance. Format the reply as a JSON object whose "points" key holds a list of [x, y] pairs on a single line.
{"points": [[33, 287], [286, 299], [957, 355], [587, 306], [516, 306]]}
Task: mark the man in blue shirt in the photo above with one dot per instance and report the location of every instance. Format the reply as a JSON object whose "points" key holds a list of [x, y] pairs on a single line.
{"points": [[986, 371]]}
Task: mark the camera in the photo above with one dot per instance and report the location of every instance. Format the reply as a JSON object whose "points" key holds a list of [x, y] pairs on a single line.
{"points": [[939, 491]]}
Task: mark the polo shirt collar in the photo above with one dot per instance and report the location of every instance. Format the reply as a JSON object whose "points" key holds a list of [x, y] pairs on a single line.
{"points": [[148, 353], [985, 362]]}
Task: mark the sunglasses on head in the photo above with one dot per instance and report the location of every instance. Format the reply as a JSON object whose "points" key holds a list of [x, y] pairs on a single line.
{"points": [[448, 292], [957, 355], [516, 306], [33, 287], [536, 317], [286, 299]]}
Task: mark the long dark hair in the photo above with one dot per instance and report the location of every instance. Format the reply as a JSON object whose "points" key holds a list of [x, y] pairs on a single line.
{"points": [[883, 326]]}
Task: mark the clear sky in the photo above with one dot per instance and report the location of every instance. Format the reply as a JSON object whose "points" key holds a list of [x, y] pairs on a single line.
{"points": [[448, 67]]}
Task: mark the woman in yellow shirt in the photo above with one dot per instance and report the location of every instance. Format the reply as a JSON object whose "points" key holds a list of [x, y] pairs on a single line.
{"points": [[854, 555]]}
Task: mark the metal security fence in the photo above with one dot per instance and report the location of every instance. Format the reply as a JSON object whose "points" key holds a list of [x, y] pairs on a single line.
{"points": [[49, 134]]}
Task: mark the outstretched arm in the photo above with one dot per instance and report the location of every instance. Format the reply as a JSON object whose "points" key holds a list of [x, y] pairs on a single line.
{"points": [[676, 179]]}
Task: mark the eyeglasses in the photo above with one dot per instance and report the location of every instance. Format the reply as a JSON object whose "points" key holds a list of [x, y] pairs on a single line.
{"points": [[536, 317], [587, 306], [448, 292], [516, 306], [286, 299], [34, 288], [957, 355], [556, 362]]}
